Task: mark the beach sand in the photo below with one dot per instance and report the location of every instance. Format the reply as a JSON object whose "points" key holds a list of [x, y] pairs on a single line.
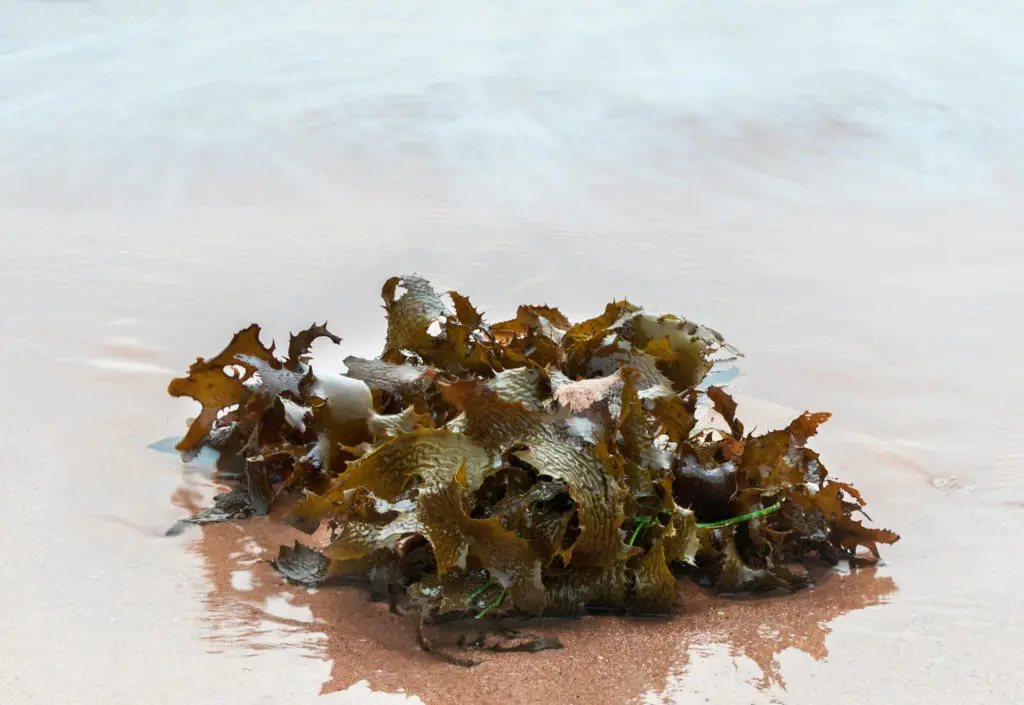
{"points": [[834, 187]]}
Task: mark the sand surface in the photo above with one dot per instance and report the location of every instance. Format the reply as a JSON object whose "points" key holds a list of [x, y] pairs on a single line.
{"points": [[835, 186]]}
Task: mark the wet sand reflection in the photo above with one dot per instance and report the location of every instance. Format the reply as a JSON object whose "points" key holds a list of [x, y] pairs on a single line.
{"points": [[606, 658]]}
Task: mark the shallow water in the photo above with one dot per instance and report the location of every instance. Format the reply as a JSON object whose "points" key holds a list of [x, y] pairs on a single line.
{"points": [[831, 185]]}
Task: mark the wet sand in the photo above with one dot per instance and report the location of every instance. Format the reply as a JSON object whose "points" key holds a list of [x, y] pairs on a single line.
{"points": [[605, 659], [833, 188]]}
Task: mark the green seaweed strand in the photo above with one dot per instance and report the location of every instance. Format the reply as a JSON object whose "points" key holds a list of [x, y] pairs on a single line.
{"points": [[488, 608], [480, 590], [641, 522], [736, 520]]}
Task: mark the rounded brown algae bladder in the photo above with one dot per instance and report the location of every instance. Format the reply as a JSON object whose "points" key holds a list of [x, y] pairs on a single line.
{"points": [[527, 467], [606, 659]]}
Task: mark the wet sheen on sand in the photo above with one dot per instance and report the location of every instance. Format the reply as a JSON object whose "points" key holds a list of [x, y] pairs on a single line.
{"points": [[834, 188]]}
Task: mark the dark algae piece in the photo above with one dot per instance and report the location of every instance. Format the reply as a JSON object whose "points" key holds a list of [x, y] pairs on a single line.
{"points": [[301, 565], [528, 467]]}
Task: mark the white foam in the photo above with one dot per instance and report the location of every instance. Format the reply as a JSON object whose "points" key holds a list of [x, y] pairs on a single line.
{"points": [[280, 606], [131, 366], [241, 580], [360, 693]]}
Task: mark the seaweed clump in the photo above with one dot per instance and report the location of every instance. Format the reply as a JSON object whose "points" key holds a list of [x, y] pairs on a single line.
{"points": [[531, 466]]}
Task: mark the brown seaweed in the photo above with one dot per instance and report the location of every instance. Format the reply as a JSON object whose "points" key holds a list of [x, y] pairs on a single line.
{"points": [[532, 466]]}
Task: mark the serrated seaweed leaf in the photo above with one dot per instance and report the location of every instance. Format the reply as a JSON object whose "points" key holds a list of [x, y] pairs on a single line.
{"points": [[301, 565], [299, 344]]}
